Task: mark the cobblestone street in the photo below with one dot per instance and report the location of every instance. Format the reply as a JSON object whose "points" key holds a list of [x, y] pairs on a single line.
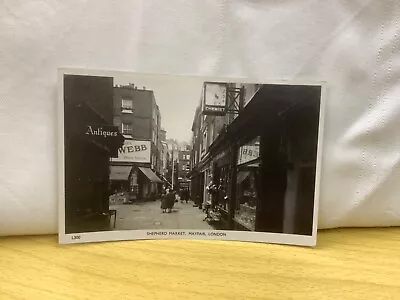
{"points": [[148, 215]]}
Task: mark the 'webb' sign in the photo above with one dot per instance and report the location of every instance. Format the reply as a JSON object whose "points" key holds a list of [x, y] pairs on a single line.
{"points": [[134, 151]]}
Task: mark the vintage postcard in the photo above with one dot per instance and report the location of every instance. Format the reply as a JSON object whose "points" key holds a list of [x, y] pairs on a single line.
{"points": [[145, 156]]}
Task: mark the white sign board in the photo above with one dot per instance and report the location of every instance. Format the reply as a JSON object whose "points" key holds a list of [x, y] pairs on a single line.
{"points": [[248, 153], [134, 151]]}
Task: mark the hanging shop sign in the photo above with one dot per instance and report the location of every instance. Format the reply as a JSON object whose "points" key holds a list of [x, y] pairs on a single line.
{"points": [[134, 151], [214, 100], [101, 131], [106, 137]]}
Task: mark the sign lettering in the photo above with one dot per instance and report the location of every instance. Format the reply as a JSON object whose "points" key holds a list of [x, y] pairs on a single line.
{"points": [[134, 151], [100, 131]]}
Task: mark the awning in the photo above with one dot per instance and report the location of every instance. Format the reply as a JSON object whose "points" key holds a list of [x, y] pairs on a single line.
{"points": [[150, 174], [120, 172]]}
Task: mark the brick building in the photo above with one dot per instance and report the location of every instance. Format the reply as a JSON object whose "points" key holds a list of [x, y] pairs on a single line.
{"points": [[139, 164], [164, 157], [184, 158], [172, 158]]}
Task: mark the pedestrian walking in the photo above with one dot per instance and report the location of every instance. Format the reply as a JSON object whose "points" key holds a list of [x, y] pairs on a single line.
{"points": [[164, 201], [170, 201], [178, 196], [186, 195]]}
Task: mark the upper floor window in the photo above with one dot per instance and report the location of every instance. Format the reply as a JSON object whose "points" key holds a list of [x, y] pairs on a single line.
{"points": [[127, 128], [127, 105]]}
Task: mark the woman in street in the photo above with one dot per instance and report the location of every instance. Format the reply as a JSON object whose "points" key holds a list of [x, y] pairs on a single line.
{"points": [[170, 201], [164, 201]]}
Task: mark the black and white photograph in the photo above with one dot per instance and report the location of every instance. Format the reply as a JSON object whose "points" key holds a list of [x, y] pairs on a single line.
{"points": [[146, 156]]}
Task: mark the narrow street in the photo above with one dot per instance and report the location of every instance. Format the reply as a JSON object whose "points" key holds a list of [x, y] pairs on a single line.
{"points": [[148, 215]]}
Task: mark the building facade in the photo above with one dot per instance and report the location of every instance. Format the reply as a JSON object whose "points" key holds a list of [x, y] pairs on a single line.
{"points": [[197, 177], [172, 162], [91, 141], [184, 167], [256, 162], [136, 170], [165, 160]]}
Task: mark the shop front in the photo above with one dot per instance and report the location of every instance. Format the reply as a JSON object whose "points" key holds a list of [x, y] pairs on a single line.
{"points": [[131, 183], [120, 184], [207, 183], [197, 187], [120, 178], [141, 183], [89, 144], [248, 183], [221, 178], [148, 184], [264, 164]]}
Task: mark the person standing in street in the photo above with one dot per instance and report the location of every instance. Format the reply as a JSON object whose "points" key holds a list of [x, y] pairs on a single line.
{"points": [[164, 201], [187, 195], [170, 201]]}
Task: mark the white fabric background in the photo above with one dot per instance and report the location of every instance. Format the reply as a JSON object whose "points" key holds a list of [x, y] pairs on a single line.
{"points": [[353, 45]]}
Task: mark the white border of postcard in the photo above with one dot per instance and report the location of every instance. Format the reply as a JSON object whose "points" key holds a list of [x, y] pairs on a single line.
{"points": [[229, 235]]}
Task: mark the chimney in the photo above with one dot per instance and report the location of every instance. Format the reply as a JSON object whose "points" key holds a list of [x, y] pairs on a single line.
{"points": [[144, 88]]}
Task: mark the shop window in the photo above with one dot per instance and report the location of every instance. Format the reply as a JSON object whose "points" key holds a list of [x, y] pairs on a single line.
{"points": [[247, 184], [204, 142], [154, 137], [224, 188]]}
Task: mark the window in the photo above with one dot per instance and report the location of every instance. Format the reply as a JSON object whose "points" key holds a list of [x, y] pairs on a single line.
{"points": [[127, 106], [247, 194], [127, 128], [204, 142]]}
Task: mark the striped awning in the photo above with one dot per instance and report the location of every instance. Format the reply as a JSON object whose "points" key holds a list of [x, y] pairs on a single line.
{"points": [[150, 174]]}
